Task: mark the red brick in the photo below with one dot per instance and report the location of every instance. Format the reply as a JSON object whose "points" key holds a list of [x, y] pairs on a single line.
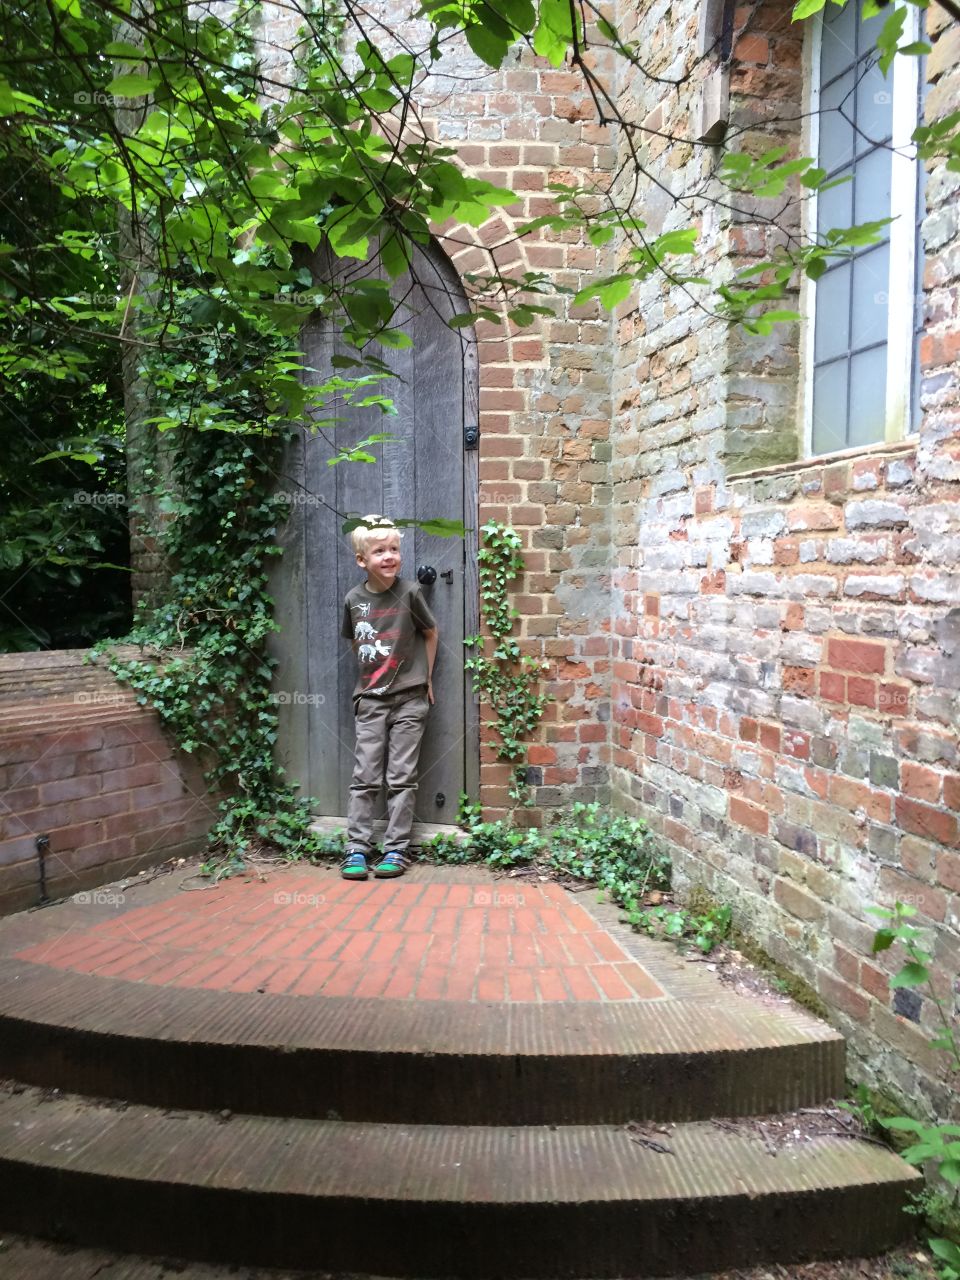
{"points": [[854, 795], [749, 815], [610, 982], [928, 900], [874, 981], [922, 820], [894, 699], [840, 995], [520, 985], [770, 733], [861, 692], [951, 791], [919, 782], [551, 984], [846, 964], [800, 681], [69, 789], [833, 687], [796, 744], [857, 655], [948, 870], [491, 983]]}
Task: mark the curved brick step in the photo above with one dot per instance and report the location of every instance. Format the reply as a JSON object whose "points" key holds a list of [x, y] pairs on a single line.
{"points": [[442, 1062], [437, 1200]]}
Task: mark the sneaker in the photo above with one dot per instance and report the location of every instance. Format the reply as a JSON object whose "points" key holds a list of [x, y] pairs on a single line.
{"points": [[354, 866], [393, 863]]}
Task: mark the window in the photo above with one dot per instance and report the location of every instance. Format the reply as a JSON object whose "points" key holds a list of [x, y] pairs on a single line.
{"points": [[862, 338]]}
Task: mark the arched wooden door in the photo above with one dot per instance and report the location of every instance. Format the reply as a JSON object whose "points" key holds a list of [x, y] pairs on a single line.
{"points": [[428, 470]]}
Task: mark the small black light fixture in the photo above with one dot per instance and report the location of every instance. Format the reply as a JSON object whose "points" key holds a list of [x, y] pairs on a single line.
{"points": [[43, 848]]}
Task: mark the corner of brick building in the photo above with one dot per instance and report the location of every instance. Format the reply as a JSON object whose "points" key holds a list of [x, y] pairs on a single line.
{"points": [[786, 632]]}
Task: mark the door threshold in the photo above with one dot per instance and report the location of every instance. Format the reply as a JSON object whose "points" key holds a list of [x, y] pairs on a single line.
{"points": [[421, 830]]}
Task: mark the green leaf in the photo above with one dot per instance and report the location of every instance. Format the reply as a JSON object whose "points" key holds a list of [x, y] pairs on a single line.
{"points": [[395, 338], [947, 1251], [911, 975], [682, 240], [489, 48], [124, 50], [131, 86], [806, 9], [902, 1123], [889, 37], [613, 292]]}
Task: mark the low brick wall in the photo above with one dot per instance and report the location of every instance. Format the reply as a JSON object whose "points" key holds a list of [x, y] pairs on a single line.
{"points": [[83, 764]]}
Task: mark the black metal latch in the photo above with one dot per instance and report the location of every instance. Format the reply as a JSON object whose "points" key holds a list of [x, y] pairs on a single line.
{"points": [[471, 437]]}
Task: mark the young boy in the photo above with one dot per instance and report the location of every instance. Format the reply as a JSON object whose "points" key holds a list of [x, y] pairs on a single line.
{"points": [[394, 636]]}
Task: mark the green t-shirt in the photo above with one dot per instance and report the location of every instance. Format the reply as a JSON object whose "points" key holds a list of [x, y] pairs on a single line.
{"points": [[388, 626]]}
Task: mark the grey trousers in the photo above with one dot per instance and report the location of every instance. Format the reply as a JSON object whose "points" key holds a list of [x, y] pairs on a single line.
{"points": [[389, 733]]}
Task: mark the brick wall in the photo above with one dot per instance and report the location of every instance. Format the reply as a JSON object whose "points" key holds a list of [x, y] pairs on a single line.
{"points": [[83, 764], [786, 659]]}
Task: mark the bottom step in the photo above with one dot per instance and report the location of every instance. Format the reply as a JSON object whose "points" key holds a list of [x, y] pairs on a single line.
{"points": [[439, 1200]]}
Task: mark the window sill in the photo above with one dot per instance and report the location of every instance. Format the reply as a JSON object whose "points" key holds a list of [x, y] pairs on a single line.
{"points": [[885, 448]]}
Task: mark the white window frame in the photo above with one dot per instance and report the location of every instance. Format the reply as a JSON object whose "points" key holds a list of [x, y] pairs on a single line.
{"points": [[902, 301]]}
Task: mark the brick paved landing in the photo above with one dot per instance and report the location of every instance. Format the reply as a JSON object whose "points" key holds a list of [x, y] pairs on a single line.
{"points": [[307, 932]]}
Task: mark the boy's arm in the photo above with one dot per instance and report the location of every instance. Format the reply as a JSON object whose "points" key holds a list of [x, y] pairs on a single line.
{"points": [[431, 639]]}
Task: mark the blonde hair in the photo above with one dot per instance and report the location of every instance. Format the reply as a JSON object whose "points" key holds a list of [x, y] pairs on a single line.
{"points": [[363, 534]]}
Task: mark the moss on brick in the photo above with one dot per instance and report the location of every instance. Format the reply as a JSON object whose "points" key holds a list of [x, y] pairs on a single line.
{"points": [[792, 984]]}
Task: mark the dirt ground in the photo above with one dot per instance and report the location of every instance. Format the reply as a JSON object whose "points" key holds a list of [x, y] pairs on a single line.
{"points": [[22, 1259]]}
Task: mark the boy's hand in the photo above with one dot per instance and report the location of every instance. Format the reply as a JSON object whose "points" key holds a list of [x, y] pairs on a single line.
{"points": [[430, 691]]}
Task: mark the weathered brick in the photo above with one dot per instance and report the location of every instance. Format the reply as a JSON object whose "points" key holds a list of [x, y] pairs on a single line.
{"points": [[748, 815], [924, 820], [799, 903], [857, 655]]}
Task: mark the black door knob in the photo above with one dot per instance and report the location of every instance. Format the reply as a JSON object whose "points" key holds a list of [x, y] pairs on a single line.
{"points": [[427, 575]]}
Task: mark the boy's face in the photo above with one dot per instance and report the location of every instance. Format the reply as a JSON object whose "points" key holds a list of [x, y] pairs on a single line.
{"points": [[381, 559]]}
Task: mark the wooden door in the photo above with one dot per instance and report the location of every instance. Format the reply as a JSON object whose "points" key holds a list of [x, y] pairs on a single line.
{"points": [[427, 470]]}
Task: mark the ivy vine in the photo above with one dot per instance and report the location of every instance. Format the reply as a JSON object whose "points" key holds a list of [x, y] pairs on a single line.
{"points": [[507, 678], [212, 502]]}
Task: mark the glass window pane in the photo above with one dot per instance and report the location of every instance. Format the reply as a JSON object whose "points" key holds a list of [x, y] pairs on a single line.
{"points": [[871, 294], [835, 207], [874, 106], [838, 50], [868, 393], [832, 328], [836, 133], [868, 31], [871, 199], [830, 407]]}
